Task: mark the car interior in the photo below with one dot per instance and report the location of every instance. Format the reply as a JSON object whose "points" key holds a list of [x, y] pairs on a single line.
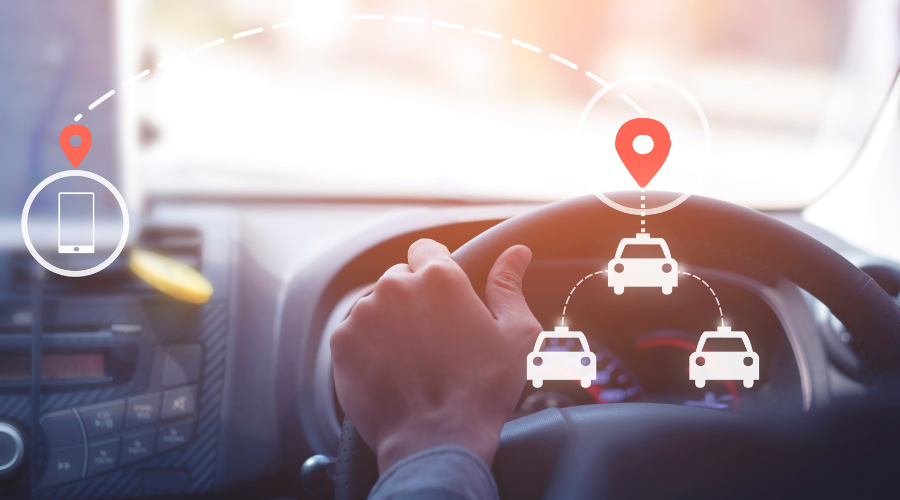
{"points": [[254, 167]]}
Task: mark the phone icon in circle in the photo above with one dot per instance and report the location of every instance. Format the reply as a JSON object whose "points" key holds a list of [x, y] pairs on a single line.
{"points": [[75, 232]]}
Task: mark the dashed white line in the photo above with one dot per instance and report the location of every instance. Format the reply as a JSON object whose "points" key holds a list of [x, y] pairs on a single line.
{"points": [[564, 61], [701, 280], [698, 278], [242, 34], [287, 24], [597, 79], [372, 17], [172, 60], [487, 33], [566, 305], [448, 25], [633, 104], [135, 78], [526, 45], [208, 45], [77, 117], [404, 19], [98, 101]]}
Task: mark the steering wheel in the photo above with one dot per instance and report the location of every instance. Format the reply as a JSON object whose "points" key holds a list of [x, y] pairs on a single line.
{"points": [[700, 230]]}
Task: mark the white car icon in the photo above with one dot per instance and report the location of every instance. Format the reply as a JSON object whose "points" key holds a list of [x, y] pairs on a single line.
{"points": [[724, 365], [643, 261], [562, 365]]}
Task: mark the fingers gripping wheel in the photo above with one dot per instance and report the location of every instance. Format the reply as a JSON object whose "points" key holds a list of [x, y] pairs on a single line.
{"points": [[357, 466]]}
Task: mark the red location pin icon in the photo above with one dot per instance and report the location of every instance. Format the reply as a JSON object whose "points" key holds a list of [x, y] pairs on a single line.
{"points": [[76, 153], [643, 167]]}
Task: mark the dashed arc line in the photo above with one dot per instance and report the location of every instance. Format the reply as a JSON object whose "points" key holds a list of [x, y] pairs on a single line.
{"points": [[488, 34], [208, 45], [698, 278], [135, 78], [597, 79], [102, 98], [361, 17], [563, 320], [246, 33], [526, 45], [713, 292], [563, 61], [449, 25], [632, 103]]}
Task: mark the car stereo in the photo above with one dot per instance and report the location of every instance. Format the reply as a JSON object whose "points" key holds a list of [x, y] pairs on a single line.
{"points": [[131, 385]]}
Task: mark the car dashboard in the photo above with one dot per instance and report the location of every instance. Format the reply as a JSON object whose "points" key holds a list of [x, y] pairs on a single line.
{"points": [[200, 399]]}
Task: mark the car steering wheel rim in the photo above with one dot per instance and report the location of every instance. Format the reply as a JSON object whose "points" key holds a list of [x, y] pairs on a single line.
{"points": [[704, 225]]}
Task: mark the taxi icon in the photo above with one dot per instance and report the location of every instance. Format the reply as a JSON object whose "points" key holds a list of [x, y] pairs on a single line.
{"points": [[724, 365], [561, 365], [642, 261]]}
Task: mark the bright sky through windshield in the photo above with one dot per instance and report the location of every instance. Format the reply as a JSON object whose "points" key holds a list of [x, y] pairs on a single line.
{"points": [[391, 106]]}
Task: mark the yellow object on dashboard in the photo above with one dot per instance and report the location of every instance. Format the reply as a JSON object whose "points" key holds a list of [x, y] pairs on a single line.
{"points": [[170, 277]]}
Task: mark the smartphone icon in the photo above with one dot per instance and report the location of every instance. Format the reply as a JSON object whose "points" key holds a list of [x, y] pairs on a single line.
{"points": [[75, 232]]}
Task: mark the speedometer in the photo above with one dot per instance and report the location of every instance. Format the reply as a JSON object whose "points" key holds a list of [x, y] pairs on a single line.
{"points": [[615, 382]]}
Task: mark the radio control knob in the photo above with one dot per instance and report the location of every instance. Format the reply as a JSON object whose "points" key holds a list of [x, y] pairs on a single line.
{"points": [[12, 450]]}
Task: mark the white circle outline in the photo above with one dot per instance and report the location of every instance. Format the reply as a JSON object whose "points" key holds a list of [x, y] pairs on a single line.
{"points": [[65, 272], [708, 140]]}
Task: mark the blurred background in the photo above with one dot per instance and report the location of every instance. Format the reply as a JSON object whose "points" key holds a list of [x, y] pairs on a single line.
{"points": [[349, 107], [324, 104]]}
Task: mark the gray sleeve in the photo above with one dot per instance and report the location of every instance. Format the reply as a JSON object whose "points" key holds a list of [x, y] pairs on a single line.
{"points": [[442, 473]]}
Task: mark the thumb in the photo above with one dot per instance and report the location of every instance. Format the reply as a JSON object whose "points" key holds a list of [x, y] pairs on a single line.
{"points": [[503, 291]]}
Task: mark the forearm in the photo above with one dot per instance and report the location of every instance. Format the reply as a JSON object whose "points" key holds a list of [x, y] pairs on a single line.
{"points": [[443, 473]]}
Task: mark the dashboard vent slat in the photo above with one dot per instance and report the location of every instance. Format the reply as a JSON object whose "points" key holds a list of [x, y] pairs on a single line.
{"points": [[184, 244]]}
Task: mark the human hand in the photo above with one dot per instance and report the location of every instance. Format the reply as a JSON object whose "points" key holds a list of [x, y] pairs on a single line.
{"points": [[423, 362]]}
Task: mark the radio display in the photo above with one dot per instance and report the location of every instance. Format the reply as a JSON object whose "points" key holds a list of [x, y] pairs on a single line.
{"points": [[17, 366]]}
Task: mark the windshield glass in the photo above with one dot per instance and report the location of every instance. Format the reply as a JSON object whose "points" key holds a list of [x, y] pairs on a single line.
{"points": [[390, 99], [562, 344], [643, 252], [724, 345]]}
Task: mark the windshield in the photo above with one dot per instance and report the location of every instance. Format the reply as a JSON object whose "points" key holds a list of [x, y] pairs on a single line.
{"points": [[390, 99], [724, 344], [562, 344], [643, 252]]}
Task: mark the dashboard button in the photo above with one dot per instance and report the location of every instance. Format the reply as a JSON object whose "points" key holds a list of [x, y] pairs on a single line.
{"points": [[62, 428], [183, 364], [103, 418], [12, 449], [178, 402], [138, 446], [142, 410], [63, 466], [175, 435], [102, 457]]}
